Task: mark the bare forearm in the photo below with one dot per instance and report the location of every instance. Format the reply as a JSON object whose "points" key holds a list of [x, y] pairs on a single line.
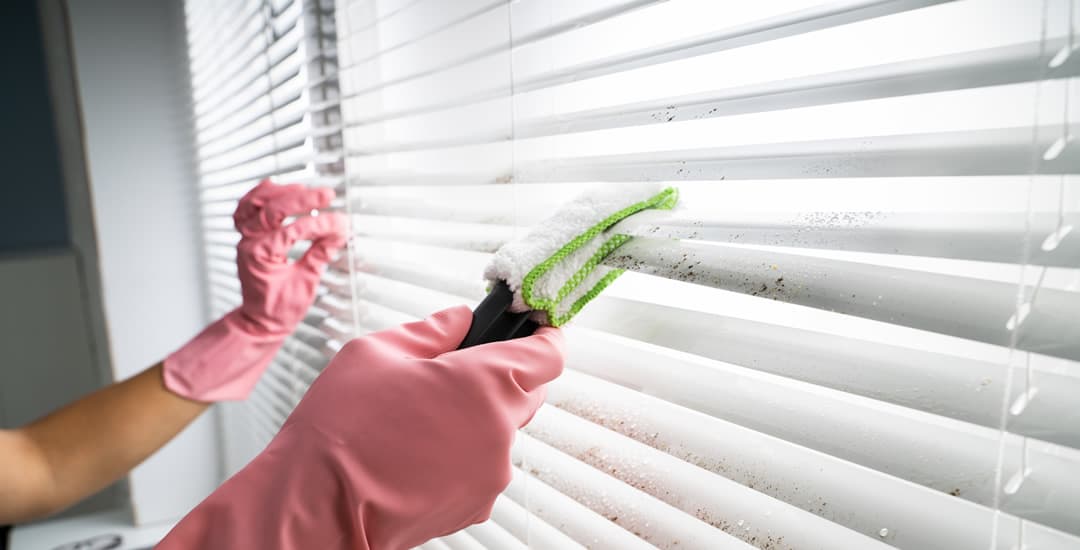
{"points": [[88, 444], [83, 447]]}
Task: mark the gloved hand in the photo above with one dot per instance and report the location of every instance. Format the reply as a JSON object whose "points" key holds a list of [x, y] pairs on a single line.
{"points": [[401, 439], [226, 359]]}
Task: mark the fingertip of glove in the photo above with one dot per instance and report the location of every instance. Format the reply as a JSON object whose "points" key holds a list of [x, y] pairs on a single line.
{"points": [[541, 358], [553, 334], [440, 332], [340, 224], [326, 195], [553, 337], [457, 317]]}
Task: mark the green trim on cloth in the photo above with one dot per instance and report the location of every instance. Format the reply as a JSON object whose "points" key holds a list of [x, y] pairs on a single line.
{"points": [[664, 200]]}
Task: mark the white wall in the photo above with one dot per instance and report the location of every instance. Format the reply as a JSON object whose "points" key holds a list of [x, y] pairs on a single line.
{"points": [[130, 62]]}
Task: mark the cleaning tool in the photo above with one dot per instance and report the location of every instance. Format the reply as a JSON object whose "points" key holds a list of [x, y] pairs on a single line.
{"points": [[547, 276]]}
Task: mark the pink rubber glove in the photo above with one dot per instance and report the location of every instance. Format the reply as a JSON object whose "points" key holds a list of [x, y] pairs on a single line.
{"points": [[226, 359], [401, 439]]}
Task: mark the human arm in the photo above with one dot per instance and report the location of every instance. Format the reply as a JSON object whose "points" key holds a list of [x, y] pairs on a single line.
{"points": [[53, 462], [77, 450]]}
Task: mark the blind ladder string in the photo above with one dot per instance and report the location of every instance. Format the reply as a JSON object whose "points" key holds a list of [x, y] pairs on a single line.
{"points": [[1014, 407]]}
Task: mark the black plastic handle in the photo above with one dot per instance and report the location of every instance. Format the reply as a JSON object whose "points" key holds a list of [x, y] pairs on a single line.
{"points": [[494, 322]]}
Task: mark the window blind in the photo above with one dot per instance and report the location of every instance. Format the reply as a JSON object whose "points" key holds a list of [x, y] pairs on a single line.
{"points": [[860, 330], [265, 100]]}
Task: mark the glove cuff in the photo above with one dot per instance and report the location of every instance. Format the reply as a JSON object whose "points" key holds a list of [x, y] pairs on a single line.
{"points": [[293, 496], [222, 363]]}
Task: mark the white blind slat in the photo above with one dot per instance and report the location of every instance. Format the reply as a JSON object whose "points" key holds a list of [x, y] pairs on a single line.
{"points": [[857, 330], [534, 532], [572, 517], [656, 522], [959, 306], [492, 536], [917, 516], [709, 497]]}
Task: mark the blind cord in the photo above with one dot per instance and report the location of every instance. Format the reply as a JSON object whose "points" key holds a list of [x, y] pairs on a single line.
{"points": [[1014, 407]]}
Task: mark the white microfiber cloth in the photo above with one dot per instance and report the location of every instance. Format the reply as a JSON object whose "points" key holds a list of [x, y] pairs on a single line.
{"points": [[555, 269]]}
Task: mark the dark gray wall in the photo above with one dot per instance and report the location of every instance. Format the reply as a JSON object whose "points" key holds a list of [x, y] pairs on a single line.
{"points": [[32, 210]]}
